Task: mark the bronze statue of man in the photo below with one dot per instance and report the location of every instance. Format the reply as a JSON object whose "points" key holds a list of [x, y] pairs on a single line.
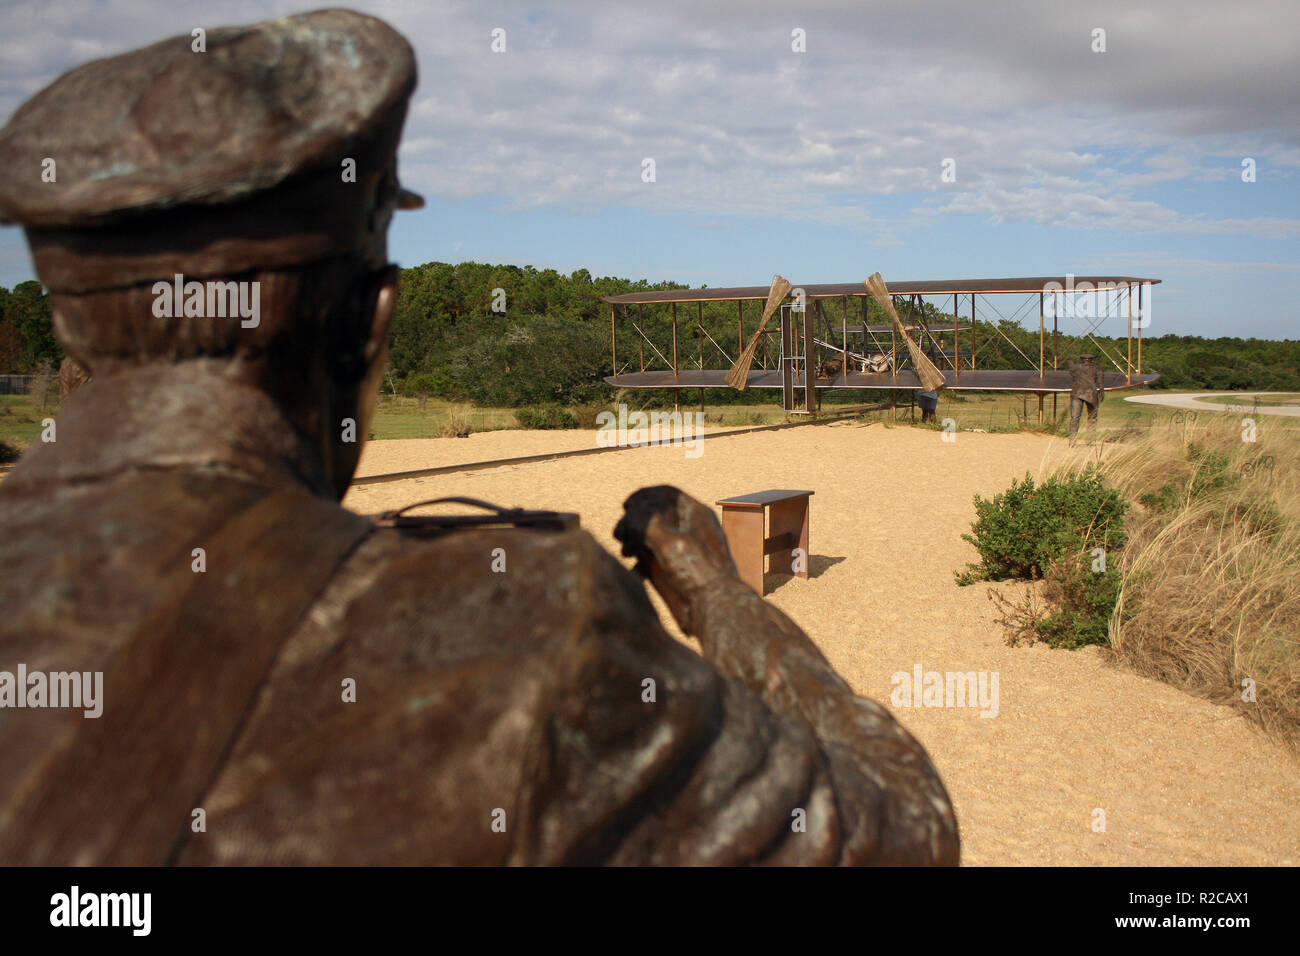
{"points": [[1086, 391], [281, 681]]}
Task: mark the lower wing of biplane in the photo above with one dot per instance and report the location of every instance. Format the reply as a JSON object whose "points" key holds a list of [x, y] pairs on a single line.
{"points": [[978, 380]]}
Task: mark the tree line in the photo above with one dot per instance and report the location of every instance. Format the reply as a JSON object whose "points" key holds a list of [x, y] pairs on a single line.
{"points": [[27, 340], [507, 335]]}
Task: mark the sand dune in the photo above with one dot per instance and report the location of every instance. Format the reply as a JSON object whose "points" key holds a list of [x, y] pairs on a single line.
{"points": [[1180, 781]]}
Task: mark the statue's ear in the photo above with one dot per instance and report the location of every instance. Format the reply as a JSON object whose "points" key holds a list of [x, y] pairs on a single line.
{"points": [[385, 305]]}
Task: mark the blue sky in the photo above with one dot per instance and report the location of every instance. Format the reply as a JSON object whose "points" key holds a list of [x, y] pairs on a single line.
{"points": [[824, 165]]}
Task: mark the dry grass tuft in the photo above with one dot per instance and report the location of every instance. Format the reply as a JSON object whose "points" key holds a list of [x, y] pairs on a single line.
{"points": [[457, 424], [1210, 598]]}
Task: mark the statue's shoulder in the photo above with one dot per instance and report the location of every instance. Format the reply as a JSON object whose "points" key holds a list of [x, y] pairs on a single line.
{"points": [[496, 582]]}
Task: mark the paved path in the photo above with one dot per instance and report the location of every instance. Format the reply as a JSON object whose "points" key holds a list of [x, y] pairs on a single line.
{"points": [[1239, 401]]}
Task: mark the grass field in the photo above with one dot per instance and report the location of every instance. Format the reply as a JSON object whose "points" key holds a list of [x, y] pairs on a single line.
{"points": [[405, 418], [20, 419], [1273, 398], [20, 415]]}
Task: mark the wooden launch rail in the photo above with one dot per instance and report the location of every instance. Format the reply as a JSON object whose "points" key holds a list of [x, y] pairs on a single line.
{"points": [[743, 521]]}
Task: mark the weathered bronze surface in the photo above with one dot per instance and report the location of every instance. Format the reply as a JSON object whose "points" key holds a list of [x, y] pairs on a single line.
{"points": [[1086, 381], [319, 689], [72, 375]]}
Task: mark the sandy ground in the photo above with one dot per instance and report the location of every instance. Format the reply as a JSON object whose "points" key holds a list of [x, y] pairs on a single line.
{"points": [[412, 454], [1235, 402], [1180, 781]]}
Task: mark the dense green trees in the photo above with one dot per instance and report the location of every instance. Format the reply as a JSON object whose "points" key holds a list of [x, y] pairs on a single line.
{"points": [[544, 338], [26, 330]]}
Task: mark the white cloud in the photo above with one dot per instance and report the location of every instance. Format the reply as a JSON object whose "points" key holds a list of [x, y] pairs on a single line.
{"points": [[1042, 129]]}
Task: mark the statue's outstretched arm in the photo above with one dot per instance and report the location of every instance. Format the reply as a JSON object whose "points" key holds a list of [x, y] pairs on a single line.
{"points": [[893, 806]]}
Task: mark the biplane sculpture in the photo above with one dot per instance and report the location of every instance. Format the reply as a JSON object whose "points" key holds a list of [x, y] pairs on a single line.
{"points": [[812, 347]]}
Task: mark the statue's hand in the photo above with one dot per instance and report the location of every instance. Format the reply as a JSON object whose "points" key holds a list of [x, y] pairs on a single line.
{"points": [[678, 545]]}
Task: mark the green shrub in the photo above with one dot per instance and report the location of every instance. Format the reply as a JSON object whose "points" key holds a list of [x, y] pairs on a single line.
{"points": [[1077, 606], [1209, 474], [587, 415], [1261, 516], [1020, 531], [1082, 602], [545, 417], [1209, 470], [420, 385], [1162, 499], [423, 386]]}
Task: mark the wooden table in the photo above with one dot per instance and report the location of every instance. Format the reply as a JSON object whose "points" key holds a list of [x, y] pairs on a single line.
{"points": [[743, 520]]}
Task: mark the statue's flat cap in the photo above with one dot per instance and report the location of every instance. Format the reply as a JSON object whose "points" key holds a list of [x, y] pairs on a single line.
{"points": [[165, 126]]}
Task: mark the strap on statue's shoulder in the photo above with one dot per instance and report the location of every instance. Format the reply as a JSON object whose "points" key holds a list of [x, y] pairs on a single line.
{"points": [[121, 789], [496, 517]]}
